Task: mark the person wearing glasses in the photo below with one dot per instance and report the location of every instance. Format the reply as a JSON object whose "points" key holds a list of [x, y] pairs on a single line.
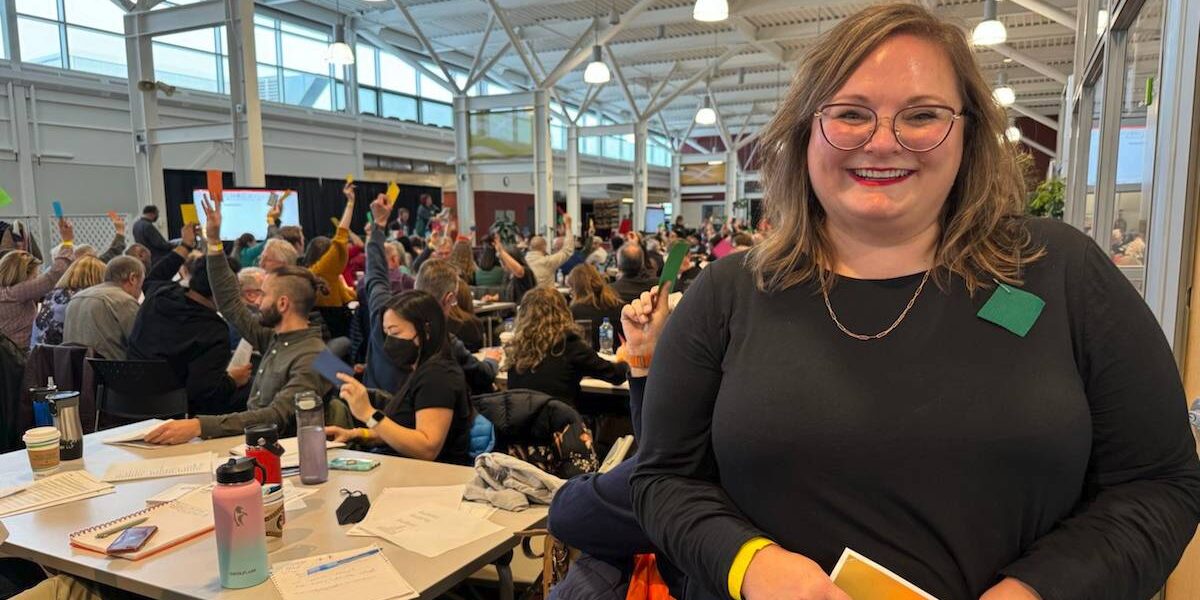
{"points": [[907, 367]]}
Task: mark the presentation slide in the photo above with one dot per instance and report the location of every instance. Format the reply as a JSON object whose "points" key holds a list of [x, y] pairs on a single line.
{"points": [[245, 211], [655, 217]]}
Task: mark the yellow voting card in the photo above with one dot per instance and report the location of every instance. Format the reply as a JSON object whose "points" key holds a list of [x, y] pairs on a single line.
{"points": [[188, 212], [393, 192], [864, 579], [349, 179]]}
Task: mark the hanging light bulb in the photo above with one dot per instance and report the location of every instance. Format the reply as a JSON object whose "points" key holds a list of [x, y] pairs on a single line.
{"points": [[706, 115], [1013, 133], [1004, 94], [710, 11], [990, 31], [339, 52], [596, 72]]}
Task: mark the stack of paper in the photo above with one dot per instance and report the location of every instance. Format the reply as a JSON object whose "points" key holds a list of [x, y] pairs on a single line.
{"points": [[171, 466], [56, 489], [137, 438], [242, 355], [362, 574], [427, 520], [291, 451], [864, 579]]}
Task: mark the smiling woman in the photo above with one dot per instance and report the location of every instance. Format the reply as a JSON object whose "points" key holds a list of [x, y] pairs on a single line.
{"points": [[819, 396]]}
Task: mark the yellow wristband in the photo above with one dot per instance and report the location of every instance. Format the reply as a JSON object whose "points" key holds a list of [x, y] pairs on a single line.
{"points": [[68, 244], [364, 434], [741, 563]]}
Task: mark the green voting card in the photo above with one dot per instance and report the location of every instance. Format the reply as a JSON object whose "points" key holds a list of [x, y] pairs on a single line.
{"points": [[1013, 309], [673, 263]]}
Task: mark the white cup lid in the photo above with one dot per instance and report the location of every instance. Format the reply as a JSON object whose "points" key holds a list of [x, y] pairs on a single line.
{"points": [[41, 434]]}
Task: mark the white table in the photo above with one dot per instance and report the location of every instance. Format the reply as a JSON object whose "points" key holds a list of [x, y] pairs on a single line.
{"points": [[190, 570]]}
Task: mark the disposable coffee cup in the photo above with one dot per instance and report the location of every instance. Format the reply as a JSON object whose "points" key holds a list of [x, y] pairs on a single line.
{"points": [[42, 445], [274, 515], [506, 337]]}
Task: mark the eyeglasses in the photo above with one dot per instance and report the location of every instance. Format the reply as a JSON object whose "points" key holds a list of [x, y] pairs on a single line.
{"points": [[917, 128]]}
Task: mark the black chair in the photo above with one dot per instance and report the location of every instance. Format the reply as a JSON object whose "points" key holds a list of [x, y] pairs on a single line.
{"points": [[137, 389]]}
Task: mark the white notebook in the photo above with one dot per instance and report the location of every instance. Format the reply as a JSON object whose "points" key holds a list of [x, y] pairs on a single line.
{"points": [[178, 521], [369, 577]]}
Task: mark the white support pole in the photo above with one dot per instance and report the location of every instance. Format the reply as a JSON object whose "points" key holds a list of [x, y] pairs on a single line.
{"points": [[574, 200], [143, 112], [249, 163], [732, 186], [350, 73], [12, 35], [676, 185], [462, 166], [641, 183], [543, 165]]}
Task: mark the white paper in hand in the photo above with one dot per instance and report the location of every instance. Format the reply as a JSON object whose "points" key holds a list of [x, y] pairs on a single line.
{"points": [[241, 356]]}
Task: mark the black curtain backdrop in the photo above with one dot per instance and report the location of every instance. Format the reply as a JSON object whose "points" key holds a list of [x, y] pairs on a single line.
{"points": [[320, 199]]}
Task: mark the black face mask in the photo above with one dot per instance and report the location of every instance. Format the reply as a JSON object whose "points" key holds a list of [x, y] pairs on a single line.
{"points": [[403, 353], [270, 317]]}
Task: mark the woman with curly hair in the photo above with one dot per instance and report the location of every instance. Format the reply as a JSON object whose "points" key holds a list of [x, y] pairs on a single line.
{"points": [[548, 353], [592, 299]]}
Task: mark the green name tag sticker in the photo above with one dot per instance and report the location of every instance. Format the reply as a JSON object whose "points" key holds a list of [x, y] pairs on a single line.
{"points": [[1013, 309]]}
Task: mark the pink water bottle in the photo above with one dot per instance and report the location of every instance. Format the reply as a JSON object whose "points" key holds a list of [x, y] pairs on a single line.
{"points": [[241, 533]]}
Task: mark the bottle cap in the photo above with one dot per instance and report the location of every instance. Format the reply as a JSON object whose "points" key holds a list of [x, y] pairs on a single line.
{"points": [[268, 433], [64, 399], [237, 470]]}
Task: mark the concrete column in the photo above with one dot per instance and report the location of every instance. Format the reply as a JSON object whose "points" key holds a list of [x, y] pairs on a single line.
{"points": [[676, 187], [543, 166], [462, 166], [143, 111], [574, 200], [249, 164], [641, 184], [732, 188]]}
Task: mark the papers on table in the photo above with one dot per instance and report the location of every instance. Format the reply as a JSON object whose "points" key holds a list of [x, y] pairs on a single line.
{"points": [[371, 577], [171, 466], [56, 489], [174, 492], [136, 439], [864, 579], [293, 496], [291, 451], [427, 520]]}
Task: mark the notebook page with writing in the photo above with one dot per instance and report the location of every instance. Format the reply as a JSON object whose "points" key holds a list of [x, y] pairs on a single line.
{"points": [[171, 466], [177, 521], [367, 578]]}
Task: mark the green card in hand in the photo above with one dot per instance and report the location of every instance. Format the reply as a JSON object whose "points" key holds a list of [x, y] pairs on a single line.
{"points": [[674, 261], [1013, 309]]}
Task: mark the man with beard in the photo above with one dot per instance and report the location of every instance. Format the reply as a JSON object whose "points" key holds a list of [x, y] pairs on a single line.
{"points": [[282, 333]]}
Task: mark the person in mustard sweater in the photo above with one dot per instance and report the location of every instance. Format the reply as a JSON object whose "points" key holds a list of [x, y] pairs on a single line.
{"points": [[335, 295]]}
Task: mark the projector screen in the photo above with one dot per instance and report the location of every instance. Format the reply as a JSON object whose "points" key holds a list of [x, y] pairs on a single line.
{"points": [[245, 211], [654, 218]]}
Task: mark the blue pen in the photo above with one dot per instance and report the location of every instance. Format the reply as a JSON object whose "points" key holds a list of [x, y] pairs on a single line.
{"points": [[341, 561]]}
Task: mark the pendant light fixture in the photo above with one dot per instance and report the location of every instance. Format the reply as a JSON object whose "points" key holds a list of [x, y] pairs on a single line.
{"points": [[596, 72], [1013, 133], [339, 52], [1004, 94], [706, 115], [710, 11], [990, 31]]}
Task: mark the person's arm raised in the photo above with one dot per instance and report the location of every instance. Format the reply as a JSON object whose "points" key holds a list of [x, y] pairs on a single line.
{"points": [[118, 243], [225, 285]]}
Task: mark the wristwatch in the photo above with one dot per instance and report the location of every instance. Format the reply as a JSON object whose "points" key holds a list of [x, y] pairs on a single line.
{"points": [[375, 419]]}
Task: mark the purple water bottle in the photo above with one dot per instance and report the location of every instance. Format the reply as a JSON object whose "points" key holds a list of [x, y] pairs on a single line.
{"points": [[240, 530], [310, 431]]}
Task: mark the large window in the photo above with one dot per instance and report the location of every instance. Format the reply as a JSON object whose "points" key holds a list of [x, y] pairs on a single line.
{"points": [[393, 88], [292, 67]]}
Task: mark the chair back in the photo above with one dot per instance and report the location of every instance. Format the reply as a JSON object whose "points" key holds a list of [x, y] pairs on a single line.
{"points": [[137, 389]]}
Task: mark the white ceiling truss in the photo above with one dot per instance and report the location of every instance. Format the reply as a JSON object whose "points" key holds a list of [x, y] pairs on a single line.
{"points": [[663, 62]]}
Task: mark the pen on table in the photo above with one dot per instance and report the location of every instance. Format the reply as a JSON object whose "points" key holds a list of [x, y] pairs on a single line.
{"points": [[121, 527], [341, 561]]}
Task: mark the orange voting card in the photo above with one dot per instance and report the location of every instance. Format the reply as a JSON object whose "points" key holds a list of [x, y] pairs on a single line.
{"points": [[864, 579], [215, 185]]}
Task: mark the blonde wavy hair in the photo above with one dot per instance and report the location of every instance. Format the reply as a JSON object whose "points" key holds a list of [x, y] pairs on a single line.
{"points": [[83, 273], [543, 323], [982, 236], [17, 266]]}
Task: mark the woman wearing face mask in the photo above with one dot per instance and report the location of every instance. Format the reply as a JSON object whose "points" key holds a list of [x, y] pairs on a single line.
{"points": [[429, 417]]}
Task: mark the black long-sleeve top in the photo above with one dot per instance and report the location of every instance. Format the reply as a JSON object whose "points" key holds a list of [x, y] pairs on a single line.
{"points": [[952, 451], [560, 371]]}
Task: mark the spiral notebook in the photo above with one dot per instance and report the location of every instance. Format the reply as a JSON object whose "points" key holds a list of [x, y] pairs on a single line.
{"points": [[177, 521]]}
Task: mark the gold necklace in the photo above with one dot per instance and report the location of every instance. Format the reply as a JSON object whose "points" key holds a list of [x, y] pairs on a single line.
{"points": [[896, 323]]}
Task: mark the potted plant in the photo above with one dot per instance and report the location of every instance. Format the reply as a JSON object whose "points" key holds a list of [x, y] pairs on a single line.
{"points": [[1047, 199]]}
